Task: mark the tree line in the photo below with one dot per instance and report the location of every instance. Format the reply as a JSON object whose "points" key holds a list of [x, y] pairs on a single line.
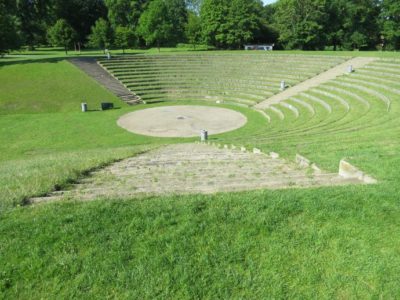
{"points": [[223, 24]]}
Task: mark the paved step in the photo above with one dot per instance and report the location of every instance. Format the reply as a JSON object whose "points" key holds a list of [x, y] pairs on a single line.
{"points": [[94, 70], [324, 77], [194, 168]]}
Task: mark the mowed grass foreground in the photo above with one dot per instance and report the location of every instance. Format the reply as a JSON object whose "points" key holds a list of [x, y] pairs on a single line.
{"points": [[317, 243], [313, 244]]}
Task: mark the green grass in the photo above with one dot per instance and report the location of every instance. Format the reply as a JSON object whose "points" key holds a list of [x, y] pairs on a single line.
{"points": [[321, 243], [49, 85], [315, 244]]}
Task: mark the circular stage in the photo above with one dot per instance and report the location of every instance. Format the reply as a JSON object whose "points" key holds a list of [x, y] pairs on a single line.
{"points": [[181, 120]]}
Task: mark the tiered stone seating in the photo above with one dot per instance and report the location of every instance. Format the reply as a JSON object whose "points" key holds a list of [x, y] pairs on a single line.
{"points": [[245, 79], [358, 108]]}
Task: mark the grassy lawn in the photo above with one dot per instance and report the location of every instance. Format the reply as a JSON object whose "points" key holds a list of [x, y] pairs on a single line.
{"points": [[314, 244], [318, 243], [48, 85]]}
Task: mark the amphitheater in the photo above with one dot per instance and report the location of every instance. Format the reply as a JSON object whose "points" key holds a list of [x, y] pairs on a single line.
{"points": [[297, 138]]}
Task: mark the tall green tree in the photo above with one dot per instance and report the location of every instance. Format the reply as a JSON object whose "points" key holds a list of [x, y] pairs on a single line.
{"points": [[125, 13], [9, 37], [193, 29], [301, 23], [360, 24], [33, 19], [163, 23], [102, 35], [177, 15], [390, 24], [80, 14], [230, 23], [124, 38], [61, 34], [154, 24]]}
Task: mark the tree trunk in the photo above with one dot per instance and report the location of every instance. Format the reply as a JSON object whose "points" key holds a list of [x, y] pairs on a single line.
{"points": [[66, 49], [79, 47], [158, 46]]}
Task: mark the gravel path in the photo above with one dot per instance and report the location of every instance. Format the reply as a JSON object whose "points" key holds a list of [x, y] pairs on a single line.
{"points": [[326, 76]]}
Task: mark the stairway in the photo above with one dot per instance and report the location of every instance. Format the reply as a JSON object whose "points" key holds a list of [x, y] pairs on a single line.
{"points": [[194, 168], [94, 70]]}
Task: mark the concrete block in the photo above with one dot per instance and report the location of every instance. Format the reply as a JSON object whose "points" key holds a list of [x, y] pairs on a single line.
{"points": [[226, 147], [350, 69], [302, 161], [256, 151], [369, 180], [243, 149], [283, 85], [346, 170], [316, 169], [274, 155], [233, 147]]}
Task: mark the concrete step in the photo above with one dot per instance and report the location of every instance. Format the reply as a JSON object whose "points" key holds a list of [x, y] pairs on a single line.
{"points": [[194, 168], [94, 70]]}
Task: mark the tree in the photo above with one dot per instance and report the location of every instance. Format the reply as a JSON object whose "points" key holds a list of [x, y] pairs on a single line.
{"points": [[177, 16], [301, 23], [390, 24], [125, 13], [9, 38], [80, 14], [267, 32], [61, 34], [360, 24], [33, 19], [229, 24], [101, 35], [193, 29], [124, 38], [155, 25]]}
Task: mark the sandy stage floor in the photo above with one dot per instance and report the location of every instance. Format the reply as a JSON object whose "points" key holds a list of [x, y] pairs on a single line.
{"points": [[182, 121]]}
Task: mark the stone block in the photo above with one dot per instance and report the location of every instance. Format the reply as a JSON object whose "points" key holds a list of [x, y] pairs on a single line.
{"points": [[316, 169], [302, 161], [274, 155], [369, 180], [256, 151], [346, 170], [243, 149]]}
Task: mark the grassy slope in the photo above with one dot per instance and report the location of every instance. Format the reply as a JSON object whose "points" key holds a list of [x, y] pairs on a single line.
{"points": [[322, 243], [48, 85]]}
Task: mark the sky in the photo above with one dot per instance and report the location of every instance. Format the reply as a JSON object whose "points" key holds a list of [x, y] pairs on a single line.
{"points": [[269, 1]]}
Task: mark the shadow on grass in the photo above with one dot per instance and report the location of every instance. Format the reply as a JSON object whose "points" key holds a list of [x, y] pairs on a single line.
{"points": [[24, 58], [30, 61], [101, 110]]}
